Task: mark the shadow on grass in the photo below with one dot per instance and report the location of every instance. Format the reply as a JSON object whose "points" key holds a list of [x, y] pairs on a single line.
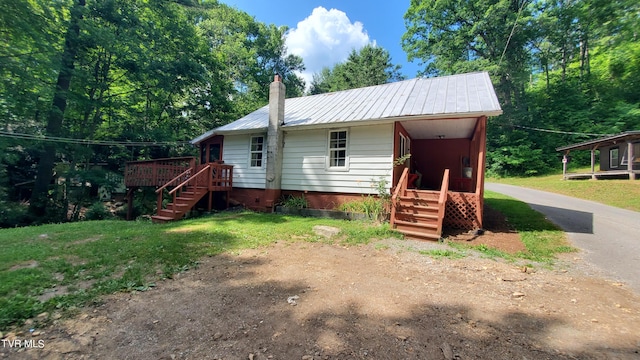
{"points": [[520, 216], [569, 220]]}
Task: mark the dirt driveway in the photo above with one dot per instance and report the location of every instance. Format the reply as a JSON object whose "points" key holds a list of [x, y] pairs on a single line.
{"points": [[380, 301]]}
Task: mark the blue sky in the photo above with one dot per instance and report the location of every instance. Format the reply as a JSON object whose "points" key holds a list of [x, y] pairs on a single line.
{"points": [[324, 32]]}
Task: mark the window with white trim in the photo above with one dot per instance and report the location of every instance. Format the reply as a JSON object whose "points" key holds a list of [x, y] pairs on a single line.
{"points": [[256, 152], [613, 158], [338, 158]]}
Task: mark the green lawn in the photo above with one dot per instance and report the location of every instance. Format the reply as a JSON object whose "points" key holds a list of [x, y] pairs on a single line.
{"points": [[620, 193], [542, 238], [92, 258]]}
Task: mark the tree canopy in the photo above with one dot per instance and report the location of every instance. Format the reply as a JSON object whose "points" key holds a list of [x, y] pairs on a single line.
{"points": [[371, 65], [126, 71], [563, 69]]}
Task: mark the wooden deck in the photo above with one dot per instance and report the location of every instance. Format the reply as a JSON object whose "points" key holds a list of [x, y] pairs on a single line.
{"points": [[180, 183], [620, 174]]}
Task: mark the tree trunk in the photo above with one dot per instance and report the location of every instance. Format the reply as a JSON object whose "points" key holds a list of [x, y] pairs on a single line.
{"points": [[56, 113]]}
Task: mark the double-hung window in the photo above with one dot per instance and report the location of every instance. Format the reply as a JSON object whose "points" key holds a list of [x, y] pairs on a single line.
{"points": [[256, 151], [338, 157]]}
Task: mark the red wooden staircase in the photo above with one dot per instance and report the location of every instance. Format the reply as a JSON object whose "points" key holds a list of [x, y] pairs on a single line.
{"points": [[419, 214], [177, 195], [186, 194]]}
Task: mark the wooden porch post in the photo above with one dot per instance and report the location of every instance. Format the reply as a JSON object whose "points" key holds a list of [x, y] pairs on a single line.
{"points": [[565, 159], [593, 163], [632, 176], [130, 203], [482, 150]]}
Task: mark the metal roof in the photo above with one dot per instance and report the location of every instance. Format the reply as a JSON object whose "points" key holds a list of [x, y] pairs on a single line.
{"points": [[608, 140], [462, 95]]}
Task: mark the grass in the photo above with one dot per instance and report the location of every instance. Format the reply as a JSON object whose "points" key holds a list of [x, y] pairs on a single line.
{"points": [[619, 193], [443, 253], [542, 239], [93, 258]]}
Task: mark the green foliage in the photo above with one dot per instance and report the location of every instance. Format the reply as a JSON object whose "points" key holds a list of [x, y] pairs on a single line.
{"points": [[97, 211], [295, 202], [570, 67], [368, 66], [373, 207], [439, 253], [136, 71], [14, 214]]}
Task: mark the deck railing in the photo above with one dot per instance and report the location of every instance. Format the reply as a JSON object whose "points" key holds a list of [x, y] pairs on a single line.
{"points": [[442, 200], [156, 172], [221, 177], [201, 179], [401, 189]]}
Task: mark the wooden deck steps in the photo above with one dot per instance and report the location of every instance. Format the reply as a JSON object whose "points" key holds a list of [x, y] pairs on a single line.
{"points": [[183, 204], [417, 214]]}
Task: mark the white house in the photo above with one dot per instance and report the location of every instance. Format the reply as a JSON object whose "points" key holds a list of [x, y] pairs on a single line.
{"points": [[337, 146]]}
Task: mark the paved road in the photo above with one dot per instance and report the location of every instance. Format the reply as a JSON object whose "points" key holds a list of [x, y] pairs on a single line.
{"points": [[608, 236]]}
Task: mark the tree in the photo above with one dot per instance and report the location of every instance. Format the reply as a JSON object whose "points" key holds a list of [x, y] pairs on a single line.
{"points": [[128, 71], [371, 65], [251, 53], [55, 115], [455, 36]]}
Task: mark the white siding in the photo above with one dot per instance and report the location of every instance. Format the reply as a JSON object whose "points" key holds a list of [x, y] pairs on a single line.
{"points": [[370, 152], [236, 152]]}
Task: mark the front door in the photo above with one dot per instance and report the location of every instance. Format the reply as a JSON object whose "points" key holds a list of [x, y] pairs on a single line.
{"points": [[211, 150]]}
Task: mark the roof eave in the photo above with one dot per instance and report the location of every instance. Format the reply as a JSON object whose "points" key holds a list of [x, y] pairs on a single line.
{"points": [[609, 140], [588, 145], [363, 122], [203, 137]]}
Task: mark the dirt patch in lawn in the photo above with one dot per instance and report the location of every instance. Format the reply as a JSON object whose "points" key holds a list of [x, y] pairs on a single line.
{"points": [[380, 301], [497, 234]]}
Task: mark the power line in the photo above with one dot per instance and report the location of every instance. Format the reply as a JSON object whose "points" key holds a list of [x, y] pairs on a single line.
{"points": [[559, 131], [513, 29], [89, 142]]}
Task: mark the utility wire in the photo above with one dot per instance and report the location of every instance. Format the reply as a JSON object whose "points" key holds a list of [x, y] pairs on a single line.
{"points": [[513, 29], [89, 142], [559, 131]]}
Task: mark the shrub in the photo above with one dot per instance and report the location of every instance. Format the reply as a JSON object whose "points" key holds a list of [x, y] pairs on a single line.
{"points": [[373, 207], [295, 202], [14, 215], [97, 211]]}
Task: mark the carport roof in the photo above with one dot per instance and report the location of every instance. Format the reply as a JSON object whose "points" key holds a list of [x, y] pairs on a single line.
{"points": [[604, 141]]}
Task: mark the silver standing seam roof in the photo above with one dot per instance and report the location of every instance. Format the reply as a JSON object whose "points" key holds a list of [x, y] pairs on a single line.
{"points": [[462, 95]]}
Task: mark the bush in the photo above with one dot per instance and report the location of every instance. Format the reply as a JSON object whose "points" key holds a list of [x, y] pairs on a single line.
{"points": [[295, 202], [14, 215], [373, 207], [97, 211]]}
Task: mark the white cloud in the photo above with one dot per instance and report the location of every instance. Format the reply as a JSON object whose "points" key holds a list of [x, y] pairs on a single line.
{"points": [[325, 38]]}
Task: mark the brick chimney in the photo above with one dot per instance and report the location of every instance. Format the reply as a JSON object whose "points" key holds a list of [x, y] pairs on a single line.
{"points": [[274, 142]]}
